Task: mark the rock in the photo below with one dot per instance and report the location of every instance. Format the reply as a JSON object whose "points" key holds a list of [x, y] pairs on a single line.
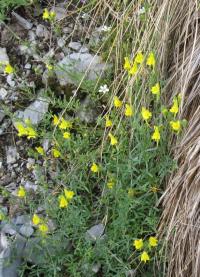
{"points": [[35, 111], [67, 30], [131, 273], [3, 93], [61, 42], [3, 57], [2, 115], [8, 228], [42, 32], [84, 49], [27, 66], [26, 230], [10, 81], [95, 232], [10, 256], [12, 155], [96, 267], [79, 64], [75, 46], [22, 219], [22, 21], [32, 36], [60, 13], [30, 186], [46, 144], [87, 111]]}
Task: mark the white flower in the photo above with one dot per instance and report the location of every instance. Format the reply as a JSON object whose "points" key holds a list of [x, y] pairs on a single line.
{"points": [[103, 89], [105, 28], [141, 11]]}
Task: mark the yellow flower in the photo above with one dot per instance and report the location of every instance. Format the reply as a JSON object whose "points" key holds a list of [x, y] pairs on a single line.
{"points": [[40, 150], [55, 120], [43, 228], [69, 194], [21, 192], [63, 203], [156, 134], [156, 89], [174, 109], [128, 110], [66, 135], [144, 257], [108, 122], [94, 168], [117, 102], [139, 58], [46, 14], [138, 243], [131, 192], [110, 184], [113, 140], [65, 124], [153, 241], [134, 69], [146, 114], [175, 125], [151, 61], [49, 67], [22, 131], [52, 15], [8, 69], [56, 153], [36, 219], [154, 189], [127, 64], [31, 133]]}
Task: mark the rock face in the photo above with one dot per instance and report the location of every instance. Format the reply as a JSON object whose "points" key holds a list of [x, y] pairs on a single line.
{"points": [[75, 64], [35, 111]]}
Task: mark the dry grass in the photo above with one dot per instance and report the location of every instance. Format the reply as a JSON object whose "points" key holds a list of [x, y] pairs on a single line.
{"points": [[181, 201]]}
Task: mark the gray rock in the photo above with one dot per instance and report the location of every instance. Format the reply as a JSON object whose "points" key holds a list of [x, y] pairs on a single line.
{"points": [[26, 231], [27, 66], [21, 220], [3, 57], [8, 228], [46, 144], [30, 186], [32, 36], [35, 111], [10, 256], [75, 46], [61, 42], [22, 21], [42, 32], [84, 49], [96, 267], [11, 154], [10, 81], [95, 232], [67, 30], [3, 93], [60, 12], [84, 64], [2, 115], [87, 112]]}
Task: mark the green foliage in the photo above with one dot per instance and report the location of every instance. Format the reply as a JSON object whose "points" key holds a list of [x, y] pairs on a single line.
{"points": [[10, 4]]}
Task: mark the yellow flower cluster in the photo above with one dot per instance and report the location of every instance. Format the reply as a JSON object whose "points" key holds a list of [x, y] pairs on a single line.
{"points": [[64, 199], [8, 69], [132, 67], [42, 226], [139, 244], [21, 193], [95, 168], [48, 15], [26, 129]]}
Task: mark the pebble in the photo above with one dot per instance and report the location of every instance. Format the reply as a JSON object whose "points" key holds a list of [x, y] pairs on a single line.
{"points": [[10, 81], [75, 45], [42, 32], [3, 93], [26, 230], [95, 232], [11, 154]]}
